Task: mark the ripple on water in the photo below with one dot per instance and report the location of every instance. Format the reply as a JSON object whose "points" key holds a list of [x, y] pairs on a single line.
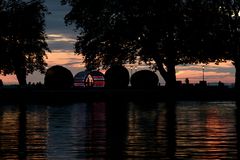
{"points": [[120, 130]]}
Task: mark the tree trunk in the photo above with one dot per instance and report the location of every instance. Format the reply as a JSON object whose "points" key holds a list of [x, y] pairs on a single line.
{"points": [[168, 74], [237, 74], [171, 78], [21, 76], [162, 70], [19, 66]]}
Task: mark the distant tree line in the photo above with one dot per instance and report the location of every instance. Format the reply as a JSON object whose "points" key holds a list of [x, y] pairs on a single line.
{"points": [[22, 37], [166, 32]]}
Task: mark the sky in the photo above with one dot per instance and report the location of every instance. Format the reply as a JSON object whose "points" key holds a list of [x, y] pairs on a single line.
{"points": [[61, 39]]}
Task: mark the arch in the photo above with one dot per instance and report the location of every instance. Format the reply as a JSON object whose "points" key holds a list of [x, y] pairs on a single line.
{"points": [[89, 79]]}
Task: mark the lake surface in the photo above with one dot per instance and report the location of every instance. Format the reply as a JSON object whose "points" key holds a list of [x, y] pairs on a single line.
{"points": [[121, 130]]}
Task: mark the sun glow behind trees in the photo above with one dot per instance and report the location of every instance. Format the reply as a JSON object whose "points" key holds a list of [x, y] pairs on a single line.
{"points": [[223, 72], [61, 41]]}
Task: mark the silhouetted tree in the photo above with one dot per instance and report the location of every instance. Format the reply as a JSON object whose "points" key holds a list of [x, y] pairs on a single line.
{"points": [[22, 38], [167, 32], [203, 28], [216, 27], [122, 31], [230, 31]]}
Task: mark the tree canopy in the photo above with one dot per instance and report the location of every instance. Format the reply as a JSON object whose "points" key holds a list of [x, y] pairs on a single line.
{"points": [[230, 29], [22, 37], [167, 32]]}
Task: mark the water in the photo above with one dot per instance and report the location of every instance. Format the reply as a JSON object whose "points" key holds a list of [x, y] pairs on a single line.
{"points": [[120, 130]]}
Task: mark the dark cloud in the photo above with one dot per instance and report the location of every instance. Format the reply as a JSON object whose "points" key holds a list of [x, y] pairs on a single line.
{"points": [[208, 68], [70, 64], [55, 25], [61, 46]]}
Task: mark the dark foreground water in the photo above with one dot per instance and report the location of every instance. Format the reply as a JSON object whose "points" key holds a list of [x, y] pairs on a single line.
{"points": [[121, 130]]}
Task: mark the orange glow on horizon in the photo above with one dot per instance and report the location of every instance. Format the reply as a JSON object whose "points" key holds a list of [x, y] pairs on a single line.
{"points": [[9, 79], [58, 57], [223, 72], [195, 76], [64, 58]]}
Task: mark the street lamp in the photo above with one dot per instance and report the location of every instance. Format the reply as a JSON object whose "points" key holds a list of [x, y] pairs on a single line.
{"points": [[135, 68], [203, 72], [131, 68]]}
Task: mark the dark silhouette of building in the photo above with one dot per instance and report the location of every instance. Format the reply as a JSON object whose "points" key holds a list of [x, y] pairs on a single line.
{"points": [[220, 84], [202, 83], [117, 76], [187, 81], [58, 77], [144, 79]]}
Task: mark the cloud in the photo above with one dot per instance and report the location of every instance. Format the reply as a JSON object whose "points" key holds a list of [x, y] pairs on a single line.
{"points": [[59, 35], [55, 20], [210, 76], [64, 58], [60, 38], [210, 66], [60, 42]]}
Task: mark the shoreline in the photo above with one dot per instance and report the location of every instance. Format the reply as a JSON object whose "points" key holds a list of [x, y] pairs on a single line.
{"points": [[43, 95]]}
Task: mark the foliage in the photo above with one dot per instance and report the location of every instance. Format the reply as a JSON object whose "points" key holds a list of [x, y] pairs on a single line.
{"points": [[231, 31], [167, 32], [22, 38], [125, 31]]}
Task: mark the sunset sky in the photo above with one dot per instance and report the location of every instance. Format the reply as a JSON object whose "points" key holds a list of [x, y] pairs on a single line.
{"points": [[61, 40]]}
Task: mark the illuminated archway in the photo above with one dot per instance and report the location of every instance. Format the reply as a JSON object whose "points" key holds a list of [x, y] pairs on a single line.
{"points": [[89, 79]]}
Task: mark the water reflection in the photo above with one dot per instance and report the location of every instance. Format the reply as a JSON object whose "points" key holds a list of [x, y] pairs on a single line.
{"points": [[9, 139], [77, 131], [147, 136], [121, 130], [206, 131], [237, 116], [23, 132], [117, 126]]}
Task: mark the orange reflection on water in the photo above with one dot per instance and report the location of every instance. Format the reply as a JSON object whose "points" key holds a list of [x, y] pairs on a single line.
{"points": [[96, 133], [22, 134], [37, 134], [146, 131], [206, 132], [9, 126], [219, 133]]}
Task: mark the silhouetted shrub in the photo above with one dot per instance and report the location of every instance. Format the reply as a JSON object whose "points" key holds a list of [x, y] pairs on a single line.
{"points": [[117, 77], [58, 77], [144, 79]]}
